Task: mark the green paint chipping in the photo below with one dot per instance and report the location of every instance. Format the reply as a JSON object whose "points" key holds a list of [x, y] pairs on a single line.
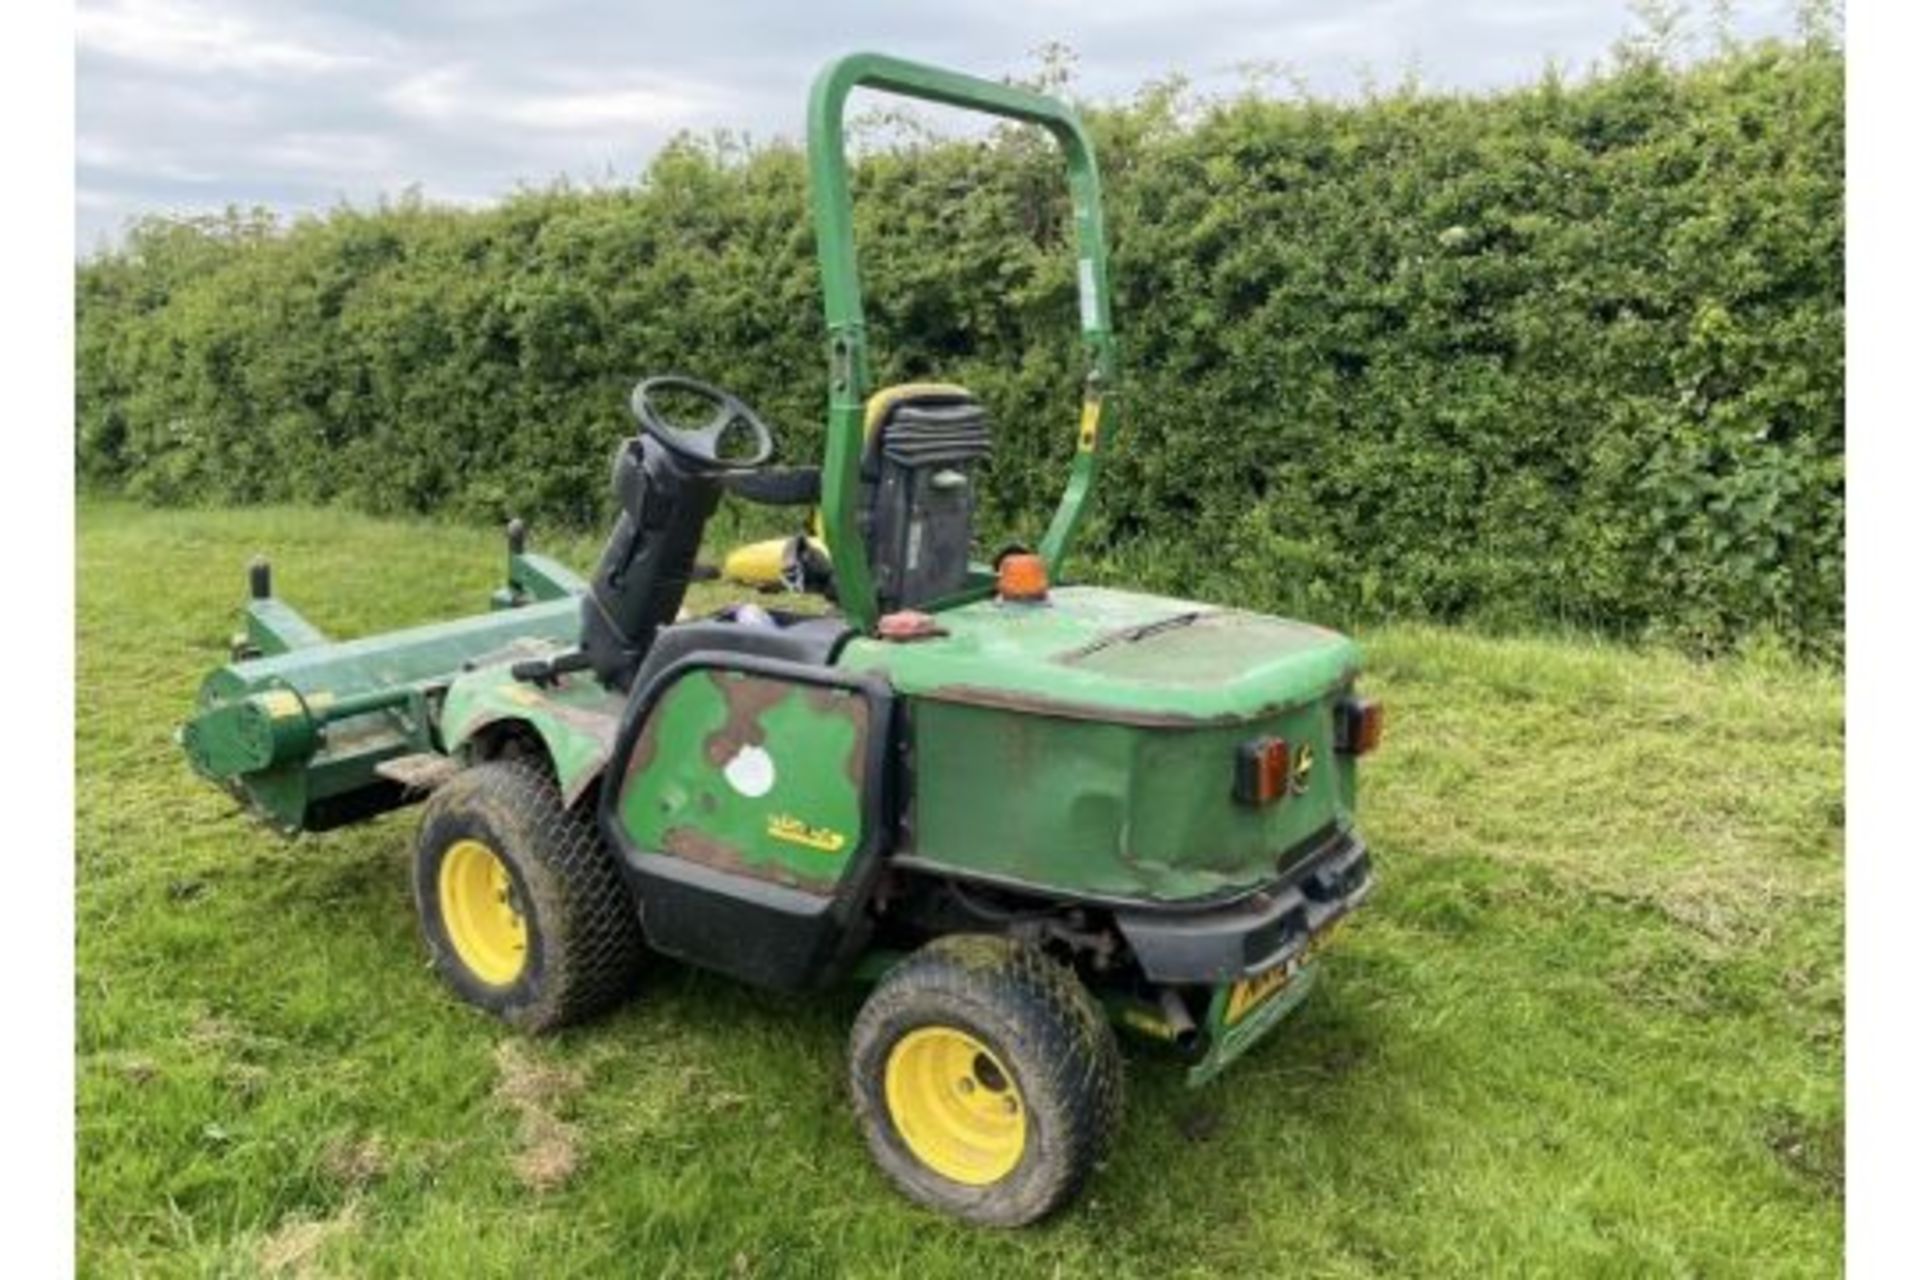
{"points": [[575, 718], [752, 775]]}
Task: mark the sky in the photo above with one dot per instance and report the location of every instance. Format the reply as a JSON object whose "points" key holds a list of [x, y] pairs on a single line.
{"points": [[187, 106]]}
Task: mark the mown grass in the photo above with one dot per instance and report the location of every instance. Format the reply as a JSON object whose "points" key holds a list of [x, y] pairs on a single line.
{"points": [[1591, 1024]]}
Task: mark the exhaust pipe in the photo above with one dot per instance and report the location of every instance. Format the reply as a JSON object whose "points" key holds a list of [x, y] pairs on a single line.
{"points": [[1179, 1022]]}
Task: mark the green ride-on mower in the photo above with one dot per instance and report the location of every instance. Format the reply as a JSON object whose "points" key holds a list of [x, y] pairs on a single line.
{"points": [[1026, 811]]}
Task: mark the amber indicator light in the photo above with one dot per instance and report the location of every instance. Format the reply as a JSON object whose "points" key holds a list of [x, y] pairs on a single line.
{"points": [[1260, 773], [1357, 724], [1023, 576]]}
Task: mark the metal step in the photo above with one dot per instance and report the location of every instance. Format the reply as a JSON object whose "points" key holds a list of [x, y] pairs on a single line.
{"points": [[422, 771]]}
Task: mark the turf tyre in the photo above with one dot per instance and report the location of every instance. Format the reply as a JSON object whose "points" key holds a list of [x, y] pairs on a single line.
{"points": [[1037, 1019], [583, 940]]}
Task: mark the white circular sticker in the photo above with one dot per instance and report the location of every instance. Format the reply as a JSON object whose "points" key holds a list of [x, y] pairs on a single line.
{"points": [[750, 772]]}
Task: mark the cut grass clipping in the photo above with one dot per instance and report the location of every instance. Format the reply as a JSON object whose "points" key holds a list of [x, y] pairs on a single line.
{"points": [[1591, 1023]]}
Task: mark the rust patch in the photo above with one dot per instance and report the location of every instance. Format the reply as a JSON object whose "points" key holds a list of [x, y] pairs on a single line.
{"points": [[747, 698], [603, 729], [645, 748], [697, 846], [855, 709]]}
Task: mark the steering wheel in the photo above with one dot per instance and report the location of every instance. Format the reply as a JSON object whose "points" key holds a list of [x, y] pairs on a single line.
{"points": [[701, 445]]}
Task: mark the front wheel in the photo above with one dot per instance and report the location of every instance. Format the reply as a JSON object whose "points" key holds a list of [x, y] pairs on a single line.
{"points": [[985, 1079], [524, 912]]}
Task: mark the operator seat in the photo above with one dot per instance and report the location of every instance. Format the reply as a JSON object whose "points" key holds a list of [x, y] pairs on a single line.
{"points": [[916, 504], [924, 441]]}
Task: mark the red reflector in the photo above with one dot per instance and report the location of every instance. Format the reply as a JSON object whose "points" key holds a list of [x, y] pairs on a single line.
{"points": [[1260, 773], [1359, 725]]}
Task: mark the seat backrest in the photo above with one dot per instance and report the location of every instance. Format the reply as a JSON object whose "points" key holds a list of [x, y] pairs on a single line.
{"points": [[648, 561], [923, 445]]}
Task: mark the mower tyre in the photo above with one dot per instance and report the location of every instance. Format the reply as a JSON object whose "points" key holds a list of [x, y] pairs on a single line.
{"points": [[985, 1079], [523, 911]]}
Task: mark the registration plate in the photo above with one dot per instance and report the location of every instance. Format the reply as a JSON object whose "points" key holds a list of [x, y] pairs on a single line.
{"points": [[1249, 994]]}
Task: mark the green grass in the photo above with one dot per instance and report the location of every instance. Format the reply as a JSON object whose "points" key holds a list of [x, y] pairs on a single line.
{"points": [[1591, 1023]]}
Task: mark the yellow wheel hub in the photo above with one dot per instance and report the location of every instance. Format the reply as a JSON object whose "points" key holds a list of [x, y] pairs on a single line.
{"points": [[956, 1105], [477, 904]]}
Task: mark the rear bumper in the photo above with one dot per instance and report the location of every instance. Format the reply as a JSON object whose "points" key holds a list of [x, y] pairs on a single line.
{"points": [[1255, 934]]}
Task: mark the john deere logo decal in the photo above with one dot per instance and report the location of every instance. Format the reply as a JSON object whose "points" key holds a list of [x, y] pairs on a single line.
{"points": [[1302, 767], [786, 827]]}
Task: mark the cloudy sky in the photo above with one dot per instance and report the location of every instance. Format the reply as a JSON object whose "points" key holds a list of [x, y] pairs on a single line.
{"points": [[189, 105]]}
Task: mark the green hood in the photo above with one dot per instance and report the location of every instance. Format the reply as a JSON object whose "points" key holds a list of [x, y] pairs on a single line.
{"points": [[1091, 653]]}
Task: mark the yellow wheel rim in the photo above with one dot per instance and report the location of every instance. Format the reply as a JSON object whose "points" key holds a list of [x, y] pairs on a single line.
{"points": [[956, 1105], [483, 923]]}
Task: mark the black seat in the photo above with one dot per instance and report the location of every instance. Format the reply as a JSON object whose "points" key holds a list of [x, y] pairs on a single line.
{"points": [[923, 444]]}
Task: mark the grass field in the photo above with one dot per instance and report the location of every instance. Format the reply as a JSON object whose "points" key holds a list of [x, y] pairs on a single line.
{"points": [[1591, 1024]]}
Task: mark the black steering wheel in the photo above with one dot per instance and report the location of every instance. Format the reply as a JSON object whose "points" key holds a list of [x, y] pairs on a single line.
{"points": [[701, 445]]}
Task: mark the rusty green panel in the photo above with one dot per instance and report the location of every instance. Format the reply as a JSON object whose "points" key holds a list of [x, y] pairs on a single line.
{"points": [[1104, 725], [753, 775], [576, 716], [1117, 810]]}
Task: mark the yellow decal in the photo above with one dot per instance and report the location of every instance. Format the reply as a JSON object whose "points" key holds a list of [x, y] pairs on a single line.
{"points": [[1249, 992], [1253, 991], [521, 694], [1090, 424], [1302, 768], [783, 826]]}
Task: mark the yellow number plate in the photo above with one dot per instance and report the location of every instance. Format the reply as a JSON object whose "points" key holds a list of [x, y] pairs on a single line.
{"points": [[1248, 993]]}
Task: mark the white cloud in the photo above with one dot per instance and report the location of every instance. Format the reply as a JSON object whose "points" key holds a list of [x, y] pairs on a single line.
{"points": [[330, 154], [438, 94], [193, 37], [451, 94], [99, 153], [609, 109], [300, 103]]}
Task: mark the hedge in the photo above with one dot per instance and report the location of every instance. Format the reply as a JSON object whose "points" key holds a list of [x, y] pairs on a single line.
{"points": [[1570, 355]]}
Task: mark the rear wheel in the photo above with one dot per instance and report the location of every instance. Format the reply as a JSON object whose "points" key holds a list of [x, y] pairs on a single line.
{"points": [[523, 910], [985, 1079]]}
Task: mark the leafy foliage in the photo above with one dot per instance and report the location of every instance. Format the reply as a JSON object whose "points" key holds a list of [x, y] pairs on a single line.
{"points": [[1572, 354]]}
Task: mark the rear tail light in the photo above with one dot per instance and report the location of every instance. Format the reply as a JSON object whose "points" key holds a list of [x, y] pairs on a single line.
{"points": [[1260, 771], [1357, 723]]}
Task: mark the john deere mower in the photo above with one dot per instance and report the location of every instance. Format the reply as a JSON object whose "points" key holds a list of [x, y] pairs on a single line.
{"points": [[1026, 812]]}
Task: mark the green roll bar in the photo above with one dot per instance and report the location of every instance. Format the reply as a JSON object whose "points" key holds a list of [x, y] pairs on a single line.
{"points": [[848, 374]]}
